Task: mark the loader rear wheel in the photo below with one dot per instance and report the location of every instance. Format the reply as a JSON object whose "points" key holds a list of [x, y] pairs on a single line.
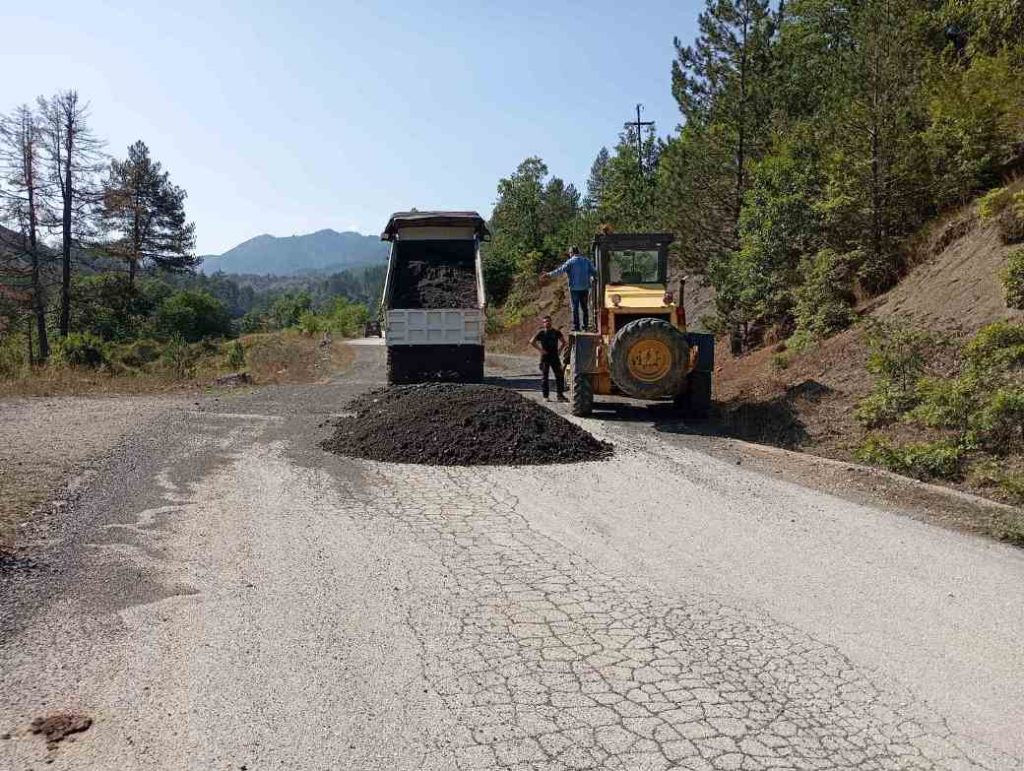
{"points": [[581, 391], [648, 359]]}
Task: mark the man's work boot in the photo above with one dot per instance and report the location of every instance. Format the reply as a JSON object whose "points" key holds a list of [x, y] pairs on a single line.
{"points": [[561, 398]]}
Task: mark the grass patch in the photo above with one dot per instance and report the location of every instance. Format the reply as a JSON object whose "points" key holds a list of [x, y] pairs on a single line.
{"points": [[149, 366]]}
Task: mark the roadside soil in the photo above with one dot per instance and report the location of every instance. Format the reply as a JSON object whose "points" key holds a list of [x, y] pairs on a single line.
{"points": [[62, 425], [49, 449]]}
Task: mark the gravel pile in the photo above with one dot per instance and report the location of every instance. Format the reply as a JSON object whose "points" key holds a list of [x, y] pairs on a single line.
{"points": [[450, 424], [424, 284]]}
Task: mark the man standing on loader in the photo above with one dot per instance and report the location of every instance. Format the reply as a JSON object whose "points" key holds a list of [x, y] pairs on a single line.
{"points": [[580, 272], [549, 342]]}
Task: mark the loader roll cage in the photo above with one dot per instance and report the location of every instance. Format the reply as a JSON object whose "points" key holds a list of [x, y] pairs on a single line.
{"points": [[644, 254]]}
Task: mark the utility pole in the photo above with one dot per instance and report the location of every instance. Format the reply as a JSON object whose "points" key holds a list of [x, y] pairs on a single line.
{"points": [[638, 125]]}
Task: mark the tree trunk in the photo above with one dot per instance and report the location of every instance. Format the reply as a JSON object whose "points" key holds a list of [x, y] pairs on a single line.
{"points": [[38, 306], [65, 283], [741, 148]]}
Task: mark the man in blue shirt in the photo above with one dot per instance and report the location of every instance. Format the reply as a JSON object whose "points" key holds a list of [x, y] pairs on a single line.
{"points": [[579, 272]]}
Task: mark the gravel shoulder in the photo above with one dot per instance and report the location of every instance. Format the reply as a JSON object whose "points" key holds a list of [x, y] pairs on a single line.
{"points": [[51, 446]]}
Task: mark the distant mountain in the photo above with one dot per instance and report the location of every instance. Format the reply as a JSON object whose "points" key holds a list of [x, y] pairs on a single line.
{"points": [[325, 251]]}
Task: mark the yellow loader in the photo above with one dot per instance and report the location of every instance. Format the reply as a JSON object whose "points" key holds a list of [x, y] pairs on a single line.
{"points": [[641, 347]]}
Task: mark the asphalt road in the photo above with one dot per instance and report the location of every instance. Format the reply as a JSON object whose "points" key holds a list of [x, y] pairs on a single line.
{"points": [[226, 595]]}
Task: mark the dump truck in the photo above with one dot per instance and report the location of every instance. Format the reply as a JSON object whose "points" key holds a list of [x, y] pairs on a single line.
{"points": [[432, 309], [641, 348]]}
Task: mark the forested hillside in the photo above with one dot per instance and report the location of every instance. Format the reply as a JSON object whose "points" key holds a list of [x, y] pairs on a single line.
{"points": [[816, 137]]}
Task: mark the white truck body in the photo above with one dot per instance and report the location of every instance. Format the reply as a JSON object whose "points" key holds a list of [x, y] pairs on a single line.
{"points": [[459, 326]]}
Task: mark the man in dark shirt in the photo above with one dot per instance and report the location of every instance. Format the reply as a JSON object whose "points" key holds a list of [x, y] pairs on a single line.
{"points": [[550, 341]]}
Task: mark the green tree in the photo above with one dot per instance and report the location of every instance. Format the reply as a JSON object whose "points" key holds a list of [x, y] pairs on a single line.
{"points": [[146, 214], [289, 307], [722, 85], [193, 316]]}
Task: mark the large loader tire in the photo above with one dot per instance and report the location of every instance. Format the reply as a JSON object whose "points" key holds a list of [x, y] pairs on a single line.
{"points": [[581, 391], [648, 359], [695, 402]]}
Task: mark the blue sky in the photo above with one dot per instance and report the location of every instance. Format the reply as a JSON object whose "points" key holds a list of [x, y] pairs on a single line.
{"points": [[288, 118]]}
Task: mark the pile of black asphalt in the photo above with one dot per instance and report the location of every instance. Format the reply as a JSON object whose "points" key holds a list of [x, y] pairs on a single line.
{"points": [[453, 424]]}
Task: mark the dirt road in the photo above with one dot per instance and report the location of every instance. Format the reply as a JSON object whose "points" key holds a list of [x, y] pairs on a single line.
{"points": [[227, 595]]}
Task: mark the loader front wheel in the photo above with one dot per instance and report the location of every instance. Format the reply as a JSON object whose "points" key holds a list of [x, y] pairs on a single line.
{"points": [[581, 391]]}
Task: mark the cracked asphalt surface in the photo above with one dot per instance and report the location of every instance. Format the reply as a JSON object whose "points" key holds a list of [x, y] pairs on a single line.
{"points": [[226, 595]]}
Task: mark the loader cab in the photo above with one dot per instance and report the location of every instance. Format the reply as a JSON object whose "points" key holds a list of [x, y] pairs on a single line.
{"points": [[632, 281]]}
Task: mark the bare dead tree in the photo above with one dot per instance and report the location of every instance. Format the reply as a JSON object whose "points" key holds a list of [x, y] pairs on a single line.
{"points": [[74, 158], [23, 199]]}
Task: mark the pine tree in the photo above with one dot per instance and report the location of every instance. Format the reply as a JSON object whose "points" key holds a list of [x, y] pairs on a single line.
{"points": [[24, 200], [147, 214], [596, 181], [72, 153]]}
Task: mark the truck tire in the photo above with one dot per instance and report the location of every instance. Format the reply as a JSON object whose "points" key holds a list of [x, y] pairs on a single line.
{"points": [[581, 391], [473, 369], [397, 368], [648, 359], [695, 402]]}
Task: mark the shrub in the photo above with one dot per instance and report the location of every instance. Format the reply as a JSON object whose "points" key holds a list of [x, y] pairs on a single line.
{"points": [[996, 347], [137, 354], [824, 303], [780, 362], [1007, 209], [193, 316], [922, 460], [1013, 280], [236, 355], [993, 203], [181, 358], [82, 349], [13, 356], [1000, 422], [897, 359]]}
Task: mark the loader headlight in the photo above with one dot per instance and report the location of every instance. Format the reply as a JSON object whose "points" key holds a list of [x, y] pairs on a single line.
{"points": [[616, 299], [669, 298]]}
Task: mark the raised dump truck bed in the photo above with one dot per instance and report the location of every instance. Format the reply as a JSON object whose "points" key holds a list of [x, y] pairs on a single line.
{"points": [[433, 303]]}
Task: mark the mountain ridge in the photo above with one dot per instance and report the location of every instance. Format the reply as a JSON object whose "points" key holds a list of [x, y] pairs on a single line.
{"points": [[324, 250]]}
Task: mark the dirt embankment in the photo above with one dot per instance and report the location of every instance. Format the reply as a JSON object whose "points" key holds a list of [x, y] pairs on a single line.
{"points": [[807, 401], [448, 424]]}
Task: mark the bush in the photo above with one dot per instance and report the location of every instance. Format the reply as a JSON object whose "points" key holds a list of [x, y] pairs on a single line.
{"points": [[1013, 280], [236, 355], [993, 203], [922, 460], [999, 424], [824, 303], [193, 316], [13, 356], [1007, 209], [82, 349], [898, 356], [181, 358], [780, 362], [137, 354], [996, 347]]}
